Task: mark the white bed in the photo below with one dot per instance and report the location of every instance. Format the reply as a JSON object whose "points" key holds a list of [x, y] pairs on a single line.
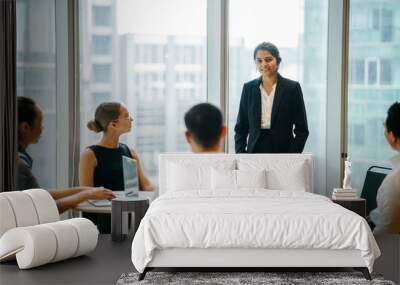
{"points": [[214, 211]]}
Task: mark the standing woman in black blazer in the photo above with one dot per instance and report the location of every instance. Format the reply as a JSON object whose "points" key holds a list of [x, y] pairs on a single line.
{"points": [[272, 116]]}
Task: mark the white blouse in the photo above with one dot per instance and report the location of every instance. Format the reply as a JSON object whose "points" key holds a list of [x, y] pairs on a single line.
{"points": [[386, 216], [266, 106]]}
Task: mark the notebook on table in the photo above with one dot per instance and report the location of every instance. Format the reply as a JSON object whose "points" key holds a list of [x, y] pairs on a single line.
{"points": [[131, 183]]}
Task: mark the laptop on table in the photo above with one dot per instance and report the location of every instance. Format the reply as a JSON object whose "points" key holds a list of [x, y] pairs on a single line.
{"points": [[131, 183]]}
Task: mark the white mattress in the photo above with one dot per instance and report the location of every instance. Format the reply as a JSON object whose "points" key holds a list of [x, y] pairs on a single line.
{"points": [[253, 218]]}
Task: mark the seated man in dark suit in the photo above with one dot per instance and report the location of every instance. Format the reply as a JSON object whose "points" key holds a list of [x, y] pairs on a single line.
{"points": [[205, 129]]}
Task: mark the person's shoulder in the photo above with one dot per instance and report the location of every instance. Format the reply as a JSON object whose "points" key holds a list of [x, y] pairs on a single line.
{"points": [[92, 147], [89, 152], [22, 164], [391, 183], [287, 82], [126, 149], [396, 178], [25, 177], [123, 146], [254, 82]]}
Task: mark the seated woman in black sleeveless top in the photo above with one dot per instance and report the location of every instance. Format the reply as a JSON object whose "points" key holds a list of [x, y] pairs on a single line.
{"points": [[101, 164]]}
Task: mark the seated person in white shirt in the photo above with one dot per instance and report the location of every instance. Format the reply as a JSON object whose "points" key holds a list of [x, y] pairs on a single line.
{"points": [[386, 216], [205, 129]]}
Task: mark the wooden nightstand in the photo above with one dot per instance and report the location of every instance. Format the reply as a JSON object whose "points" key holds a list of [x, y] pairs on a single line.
{"points": [[356, 205]]}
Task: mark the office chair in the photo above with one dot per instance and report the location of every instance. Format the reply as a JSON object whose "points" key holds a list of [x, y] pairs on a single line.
{"points": [[373, 180]]}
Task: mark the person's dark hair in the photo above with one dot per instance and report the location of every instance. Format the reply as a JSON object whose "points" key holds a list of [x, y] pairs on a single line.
{"points": [[393, 119], [204, 123], [26, 110], [268, 47], [105, 113]]}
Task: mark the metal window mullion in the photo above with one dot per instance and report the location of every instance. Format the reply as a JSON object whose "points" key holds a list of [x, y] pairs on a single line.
{"points": [[224, 52], [62, 115], [345, 84], [74, 94], [337, 81], [218, 57]]}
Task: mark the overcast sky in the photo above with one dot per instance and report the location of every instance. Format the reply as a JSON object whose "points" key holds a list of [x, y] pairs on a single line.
{"points": [[280, 22]]}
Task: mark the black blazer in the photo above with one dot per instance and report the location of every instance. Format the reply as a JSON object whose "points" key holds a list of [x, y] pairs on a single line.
{"points": [[288, 110]]}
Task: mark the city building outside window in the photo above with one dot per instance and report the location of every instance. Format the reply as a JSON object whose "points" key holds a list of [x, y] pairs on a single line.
{"points": [[141, 59], [379, 47]]}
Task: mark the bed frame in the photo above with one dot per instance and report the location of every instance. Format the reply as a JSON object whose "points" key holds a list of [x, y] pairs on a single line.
{"points": [[244, 259], [248, 259]]}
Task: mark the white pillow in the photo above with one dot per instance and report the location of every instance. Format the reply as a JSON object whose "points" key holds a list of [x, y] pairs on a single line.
{"points": [[193, 174], [290, 178], [237, 179], [282, 174], [183, 177], [251, 178], [223, 179]]}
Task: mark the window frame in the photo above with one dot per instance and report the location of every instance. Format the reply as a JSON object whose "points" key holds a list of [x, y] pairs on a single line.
{"points": [[217, 82]]}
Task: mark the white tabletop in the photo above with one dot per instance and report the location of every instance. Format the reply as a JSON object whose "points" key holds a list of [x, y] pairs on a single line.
{"points": [[90, 208]]}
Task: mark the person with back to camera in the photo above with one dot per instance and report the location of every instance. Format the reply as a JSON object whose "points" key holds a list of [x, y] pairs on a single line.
{"points": [[205, 129], [271, 109], [30, 119], [101, 163], [386, 216]]}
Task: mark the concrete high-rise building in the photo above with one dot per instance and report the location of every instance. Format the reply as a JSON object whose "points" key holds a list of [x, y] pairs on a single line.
{"points": [[374, 80], [98, 54], [161, 78], [313, 46]]}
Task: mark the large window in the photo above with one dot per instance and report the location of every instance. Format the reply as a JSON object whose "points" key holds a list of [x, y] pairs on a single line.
{"points": [[374, 82], [36, 70], [135, 52], [147, 59], [302, 42]]}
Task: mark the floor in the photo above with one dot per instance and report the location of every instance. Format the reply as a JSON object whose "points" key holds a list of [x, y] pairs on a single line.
{"points": [[102, 266], [110, 259], [389, 263]]}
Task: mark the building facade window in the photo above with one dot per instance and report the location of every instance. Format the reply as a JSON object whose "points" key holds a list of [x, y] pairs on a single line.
{"points": [[357, 71], [386, 72], [102, 16], [372, 73], [387, 25], [101, 45], [376, 19]]}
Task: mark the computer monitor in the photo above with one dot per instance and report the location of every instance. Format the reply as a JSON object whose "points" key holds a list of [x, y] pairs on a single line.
{"points": [[131, 180]]}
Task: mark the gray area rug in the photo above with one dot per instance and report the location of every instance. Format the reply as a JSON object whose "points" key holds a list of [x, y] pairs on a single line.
{"points": [[225, 278]]}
